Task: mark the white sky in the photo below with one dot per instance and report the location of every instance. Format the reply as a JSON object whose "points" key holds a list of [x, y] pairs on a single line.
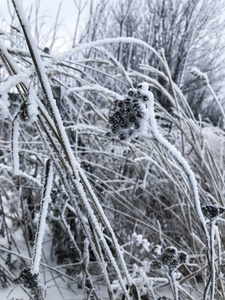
{"points": [[49, 8]]}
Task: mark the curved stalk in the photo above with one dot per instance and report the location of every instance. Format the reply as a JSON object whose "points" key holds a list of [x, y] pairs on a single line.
{"points": [[183, 164]]}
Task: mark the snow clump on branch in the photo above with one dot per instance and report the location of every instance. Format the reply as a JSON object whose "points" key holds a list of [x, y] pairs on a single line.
{"points": [[29, 108]]}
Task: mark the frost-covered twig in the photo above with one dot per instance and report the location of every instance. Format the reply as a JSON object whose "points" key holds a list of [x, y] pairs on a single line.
{"points": [[183, 164], [14, 145], [212, 252], [173, 283], [46, 199], [204, 78]]}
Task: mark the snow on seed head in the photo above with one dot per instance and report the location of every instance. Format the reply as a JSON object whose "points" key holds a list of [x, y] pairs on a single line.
{"points": [[130, 116], [168, 258]]}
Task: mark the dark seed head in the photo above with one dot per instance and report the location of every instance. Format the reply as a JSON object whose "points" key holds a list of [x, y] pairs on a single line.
{"points": [[182, 256], [122, 136], [114, 129], [136, 125], [138, 94], [140, 114], [120, 104], [145, 98], [136, 106], [173, 264], [127, 101], [211, 211], [130, 93], [168, 256], [156, 265]]}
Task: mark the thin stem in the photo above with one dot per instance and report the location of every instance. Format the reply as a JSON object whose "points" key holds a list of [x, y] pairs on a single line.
{"points": [[183, 164], [173, 285], [14, 145], [46, 199], [212, 254]]}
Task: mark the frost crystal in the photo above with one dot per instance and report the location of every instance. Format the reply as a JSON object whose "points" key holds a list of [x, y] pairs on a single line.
{"points": [[131, 115], [138, 240]]}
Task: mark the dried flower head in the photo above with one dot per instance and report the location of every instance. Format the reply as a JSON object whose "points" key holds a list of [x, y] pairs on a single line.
{"points": [[130, 116], [182, 257], [156, 265], [169, 259], [211, 211], [28, 279]]}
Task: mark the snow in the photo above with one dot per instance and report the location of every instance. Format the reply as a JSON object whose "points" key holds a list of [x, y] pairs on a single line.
{"points": [[11, 82], [32, 106], [4, 105], [94, 87], [140, 241], [85, 46]]}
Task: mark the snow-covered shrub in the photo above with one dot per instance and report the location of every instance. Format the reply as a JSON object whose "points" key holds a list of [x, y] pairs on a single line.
{"points": [[105, 188]]}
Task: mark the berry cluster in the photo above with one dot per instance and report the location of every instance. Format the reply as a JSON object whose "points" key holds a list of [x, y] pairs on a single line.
{"points": [[169, 259], [130, 115], [211, 211]]}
